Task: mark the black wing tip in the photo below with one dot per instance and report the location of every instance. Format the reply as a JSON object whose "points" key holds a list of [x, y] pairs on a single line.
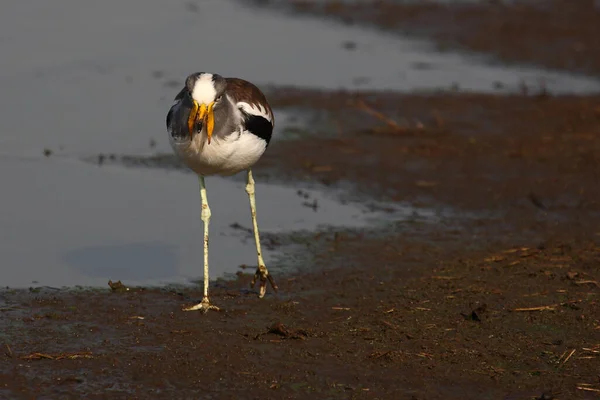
{"points": [[259, 126]]}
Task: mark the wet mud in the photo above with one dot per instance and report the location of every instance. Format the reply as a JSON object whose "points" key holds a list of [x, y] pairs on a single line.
{"points": [[558, 34], [498, 301]]}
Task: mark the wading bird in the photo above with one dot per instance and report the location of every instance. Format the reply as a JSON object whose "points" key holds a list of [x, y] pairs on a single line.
{"points": [[221, 126]]}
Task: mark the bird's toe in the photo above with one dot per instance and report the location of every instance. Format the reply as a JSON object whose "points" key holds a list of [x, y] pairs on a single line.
{"points": [[203, 306], [263, 275]]}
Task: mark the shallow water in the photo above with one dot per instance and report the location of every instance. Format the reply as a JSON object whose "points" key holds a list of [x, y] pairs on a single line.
{"points": [[87, 78], [67, 223]]}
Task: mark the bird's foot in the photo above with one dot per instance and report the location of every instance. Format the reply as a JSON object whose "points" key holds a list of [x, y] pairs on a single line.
{"points": [[263, 275], [203, 306]]}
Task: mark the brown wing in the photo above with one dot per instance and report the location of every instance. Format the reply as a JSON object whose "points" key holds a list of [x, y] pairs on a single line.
{"points": [[243, 91]]}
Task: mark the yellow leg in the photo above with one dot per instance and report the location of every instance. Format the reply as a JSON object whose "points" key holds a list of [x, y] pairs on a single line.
{"points": [[205, 215], [261, 271]]}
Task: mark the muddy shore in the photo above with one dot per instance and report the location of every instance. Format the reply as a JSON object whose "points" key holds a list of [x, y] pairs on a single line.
{"points": [[497, 300], [558, 34]]}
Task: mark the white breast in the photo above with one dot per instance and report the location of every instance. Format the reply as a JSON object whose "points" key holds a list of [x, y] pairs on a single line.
{"points": [[223, 156]]}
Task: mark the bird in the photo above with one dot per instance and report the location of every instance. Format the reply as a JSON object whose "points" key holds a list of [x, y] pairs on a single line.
{"points": [[221, 126]]}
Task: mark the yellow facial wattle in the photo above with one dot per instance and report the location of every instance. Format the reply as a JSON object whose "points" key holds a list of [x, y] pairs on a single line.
{"points": [[206, 114], [210, 121], [192, 119]]}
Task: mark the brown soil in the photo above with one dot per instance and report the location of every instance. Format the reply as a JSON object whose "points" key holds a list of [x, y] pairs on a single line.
{"points": [[558, 34], [501, 302], [497, 300]]}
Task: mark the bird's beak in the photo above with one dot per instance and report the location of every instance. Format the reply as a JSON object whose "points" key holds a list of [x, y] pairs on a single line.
{"points": [[205, 113]]}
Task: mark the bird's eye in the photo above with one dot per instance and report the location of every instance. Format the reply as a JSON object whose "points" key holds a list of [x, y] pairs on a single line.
{"points": [[218, 99]]}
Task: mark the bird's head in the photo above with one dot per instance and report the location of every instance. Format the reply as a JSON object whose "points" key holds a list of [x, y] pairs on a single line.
{"points": [[205, 91]]}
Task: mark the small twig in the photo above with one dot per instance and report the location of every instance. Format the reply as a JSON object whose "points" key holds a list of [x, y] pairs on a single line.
{"points": [[341, 308], [9, 352], [590, 350], [583, 282], [70, 356], [550, 307], [589, 389], [514, 250], [494, 258], [382, 354], [561, 357], [424, 355], [360, 104], [568, 357], [540, 308], [390, 325], [38, 356]]}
